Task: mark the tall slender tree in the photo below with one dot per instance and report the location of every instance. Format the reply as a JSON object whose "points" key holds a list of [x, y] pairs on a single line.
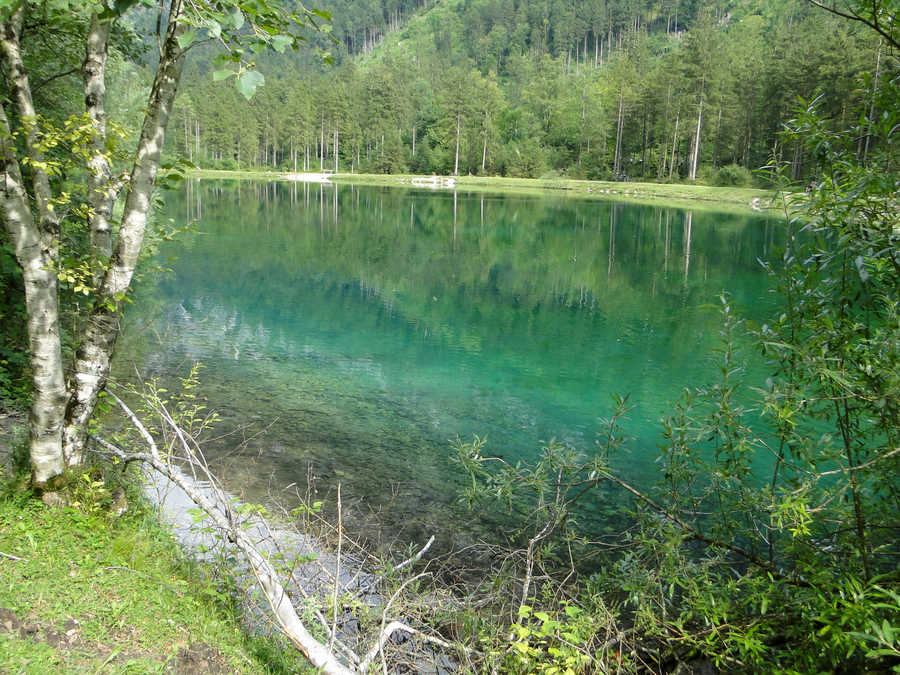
{"points": [[35, 193]]}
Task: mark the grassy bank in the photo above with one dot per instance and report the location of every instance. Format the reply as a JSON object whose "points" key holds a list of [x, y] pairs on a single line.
{"points": [[663, 194], [84, 591]]}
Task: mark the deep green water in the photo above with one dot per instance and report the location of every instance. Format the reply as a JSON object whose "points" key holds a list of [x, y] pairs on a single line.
{"points": [[363, 328]]}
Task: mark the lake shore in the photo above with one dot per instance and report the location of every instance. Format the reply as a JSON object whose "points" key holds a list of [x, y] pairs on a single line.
{"points": [[733, 199]]}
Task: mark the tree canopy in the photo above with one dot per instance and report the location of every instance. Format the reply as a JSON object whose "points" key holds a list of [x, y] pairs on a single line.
{"points": [[664, 90]]}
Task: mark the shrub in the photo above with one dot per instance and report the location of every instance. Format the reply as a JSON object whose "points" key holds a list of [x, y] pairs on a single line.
{"points": [[732, 175]]}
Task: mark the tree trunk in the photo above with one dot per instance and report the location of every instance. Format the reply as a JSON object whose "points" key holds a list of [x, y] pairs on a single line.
{"points": [[716, 144], [39, 275], [37, 251], [865, 153], [189, 147], [644, 143], [101, 193], [674, 147], [617, 160], [695, 159], [94, 355], [456, 158]]}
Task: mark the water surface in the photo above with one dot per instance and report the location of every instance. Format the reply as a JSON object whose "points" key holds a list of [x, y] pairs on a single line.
{"points": [[349, 334]]}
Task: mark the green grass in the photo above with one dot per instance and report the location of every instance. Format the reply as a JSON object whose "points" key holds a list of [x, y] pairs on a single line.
{"points": [[663, 194], [691, 196], [91, 593], [249, 174]]}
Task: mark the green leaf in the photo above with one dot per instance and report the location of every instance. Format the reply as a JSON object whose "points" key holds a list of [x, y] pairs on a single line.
{"points": [[322, 14], [215, 30], [219, 75], [185, 40], [237, 18], [281, 42], [248, 81]]}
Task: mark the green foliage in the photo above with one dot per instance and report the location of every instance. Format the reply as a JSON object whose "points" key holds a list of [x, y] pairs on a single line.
{"points": [[88, 491], [553, 645], [537, 87], [732, 176], [769, 541]]}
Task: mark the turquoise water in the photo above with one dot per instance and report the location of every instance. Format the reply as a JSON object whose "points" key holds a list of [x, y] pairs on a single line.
{"points": [[348, 334]]}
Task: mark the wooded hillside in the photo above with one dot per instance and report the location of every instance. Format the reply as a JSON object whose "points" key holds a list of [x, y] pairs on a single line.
{"points": [[620, 89]]}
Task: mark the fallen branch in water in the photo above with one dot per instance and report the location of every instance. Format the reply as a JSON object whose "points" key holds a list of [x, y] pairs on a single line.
{"points": [[219, 509]]}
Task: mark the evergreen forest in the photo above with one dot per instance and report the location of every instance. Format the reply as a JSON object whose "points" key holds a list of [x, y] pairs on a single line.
{"points": [[657, 90]]}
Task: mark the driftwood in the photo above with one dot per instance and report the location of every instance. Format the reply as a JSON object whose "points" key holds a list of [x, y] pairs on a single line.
{"points": [[218, 509]]}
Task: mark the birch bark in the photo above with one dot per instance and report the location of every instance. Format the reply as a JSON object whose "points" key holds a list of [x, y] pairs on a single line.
{"points": [[36, 244], [38, 271], [96, 350], [101, 192], [695, 157], [456, 155]]}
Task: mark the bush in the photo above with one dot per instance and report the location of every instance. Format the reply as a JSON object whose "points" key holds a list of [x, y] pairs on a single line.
{"points": [[732, 175], [226, 164]]}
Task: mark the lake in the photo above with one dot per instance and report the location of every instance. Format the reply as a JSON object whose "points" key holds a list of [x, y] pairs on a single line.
{"points": [[348, 334]]}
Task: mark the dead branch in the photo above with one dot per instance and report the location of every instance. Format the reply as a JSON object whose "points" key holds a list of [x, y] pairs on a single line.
{"points": [[384, 635], [216, 504], [417, 556], [224, 518], [885, 31]]}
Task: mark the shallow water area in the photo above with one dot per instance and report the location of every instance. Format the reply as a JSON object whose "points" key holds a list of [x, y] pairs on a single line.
{"points": [[348, 334]]}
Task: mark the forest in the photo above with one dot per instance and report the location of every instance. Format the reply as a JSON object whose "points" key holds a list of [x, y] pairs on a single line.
{"points": [[664, 90]]}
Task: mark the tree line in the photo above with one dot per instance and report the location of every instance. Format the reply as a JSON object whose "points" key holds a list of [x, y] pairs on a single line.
{"points": [[657, 91]]}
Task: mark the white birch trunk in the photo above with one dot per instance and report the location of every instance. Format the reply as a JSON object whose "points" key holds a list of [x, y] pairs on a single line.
{"points": [[38, 272], [617, 160], [36, 248], [101, 194], [674, 147], [94, 355]]}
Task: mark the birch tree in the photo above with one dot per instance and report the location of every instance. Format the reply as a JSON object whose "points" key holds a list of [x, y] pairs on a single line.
{"points": [[36, 204]]}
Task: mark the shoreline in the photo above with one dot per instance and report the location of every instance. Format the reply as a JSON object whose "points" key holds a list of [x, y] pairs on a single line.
{"points": [[677, 195]]}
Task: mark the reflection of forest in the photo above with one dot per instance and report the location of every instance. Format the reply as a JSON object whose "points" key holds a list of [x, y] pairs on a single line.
{"points": [[558, 301], [504, 254], [375, 324]]}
